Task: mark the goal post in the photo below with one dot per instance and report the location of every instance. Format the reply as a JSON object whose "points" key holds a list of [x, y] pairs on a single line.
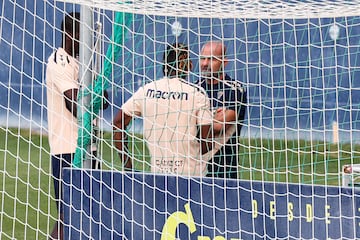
{"points": [[298, 150], [97, 88]]}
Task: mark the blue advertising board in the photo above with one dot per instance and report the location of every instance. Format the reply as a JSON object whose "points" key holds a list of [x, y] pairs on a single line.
{"points": [[117, 205]]}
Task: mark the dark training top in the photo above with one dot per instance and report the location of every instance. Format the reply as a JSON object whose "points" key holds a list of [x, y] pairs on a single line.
{"points": [[230, 94]]}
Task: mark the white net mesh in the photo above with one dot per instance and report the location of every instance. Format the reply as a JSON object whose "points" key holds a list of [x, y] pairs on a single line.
{"points": [[298, 61], [232, 9]]}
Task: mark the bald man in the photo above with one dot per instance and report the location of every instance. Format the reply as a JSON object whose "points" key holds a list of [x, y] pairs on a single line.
{"points": [[224, 93]]}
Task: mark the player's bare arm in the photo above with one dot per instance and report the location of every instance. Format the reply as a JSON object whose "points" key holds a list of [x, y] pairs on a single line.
{"points": [[205, 138], [120, 123], [70, 96], [223, 120]]}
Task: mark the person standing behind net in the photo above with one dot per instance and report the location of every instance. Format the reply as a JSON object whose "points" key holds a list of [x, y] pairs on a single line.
{"points": [[226, 93], [172, 110], [62, 74]]}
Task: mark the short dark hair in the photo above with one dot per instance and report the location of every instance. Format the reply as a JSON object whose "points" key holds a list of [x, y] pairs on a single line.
{"points": [[176, 60], [71, 23]]}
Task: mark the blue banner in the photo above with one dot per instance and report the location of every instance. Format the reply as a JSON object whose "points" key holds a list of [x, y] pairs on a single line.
{"points": [[115, 205]]}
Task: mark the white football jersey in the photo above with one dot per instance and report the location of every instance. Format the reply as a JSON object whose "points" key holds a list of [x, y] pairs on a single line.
{"points": [[172, 110], [62, 73]]}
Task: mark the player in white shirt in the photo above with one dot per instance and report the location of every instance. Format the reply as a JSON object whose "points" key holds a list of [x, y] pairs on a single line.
{"points": [[62, 73], [62, 81], [176, 119]]}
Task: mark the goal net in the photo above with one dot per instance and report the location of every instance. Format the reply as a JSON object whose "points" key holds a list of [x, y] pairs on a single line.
{"points": [[297, 152]]}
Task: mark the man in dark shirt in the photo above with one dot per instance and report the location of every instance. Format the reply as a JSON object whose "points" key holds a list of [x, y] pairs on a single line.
{"points": [[224, 93]]}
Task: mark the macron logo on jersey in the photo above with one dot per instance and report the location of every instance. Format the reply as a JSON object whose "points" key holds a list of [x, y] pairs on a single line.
{"points": [[151, 93]]}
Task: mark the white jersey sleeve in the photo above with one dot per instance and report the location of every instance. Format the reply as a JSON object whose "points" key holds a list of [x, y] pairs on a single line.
{"points": [[134, 105]]}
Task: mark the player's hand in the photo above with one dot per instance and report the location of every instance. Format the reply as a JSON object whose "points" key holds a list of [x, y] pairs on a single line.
{"points": [[219, 114]]}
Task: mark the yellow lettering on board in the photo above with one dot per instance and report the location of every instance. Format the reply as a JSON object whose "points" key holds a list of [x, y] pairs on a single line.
{"points": [[327, 214], [272, 210], [309, 213], [219, 238], [290, 211], [169, 229], [255, 209], [203, 238], [215, 238]]}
